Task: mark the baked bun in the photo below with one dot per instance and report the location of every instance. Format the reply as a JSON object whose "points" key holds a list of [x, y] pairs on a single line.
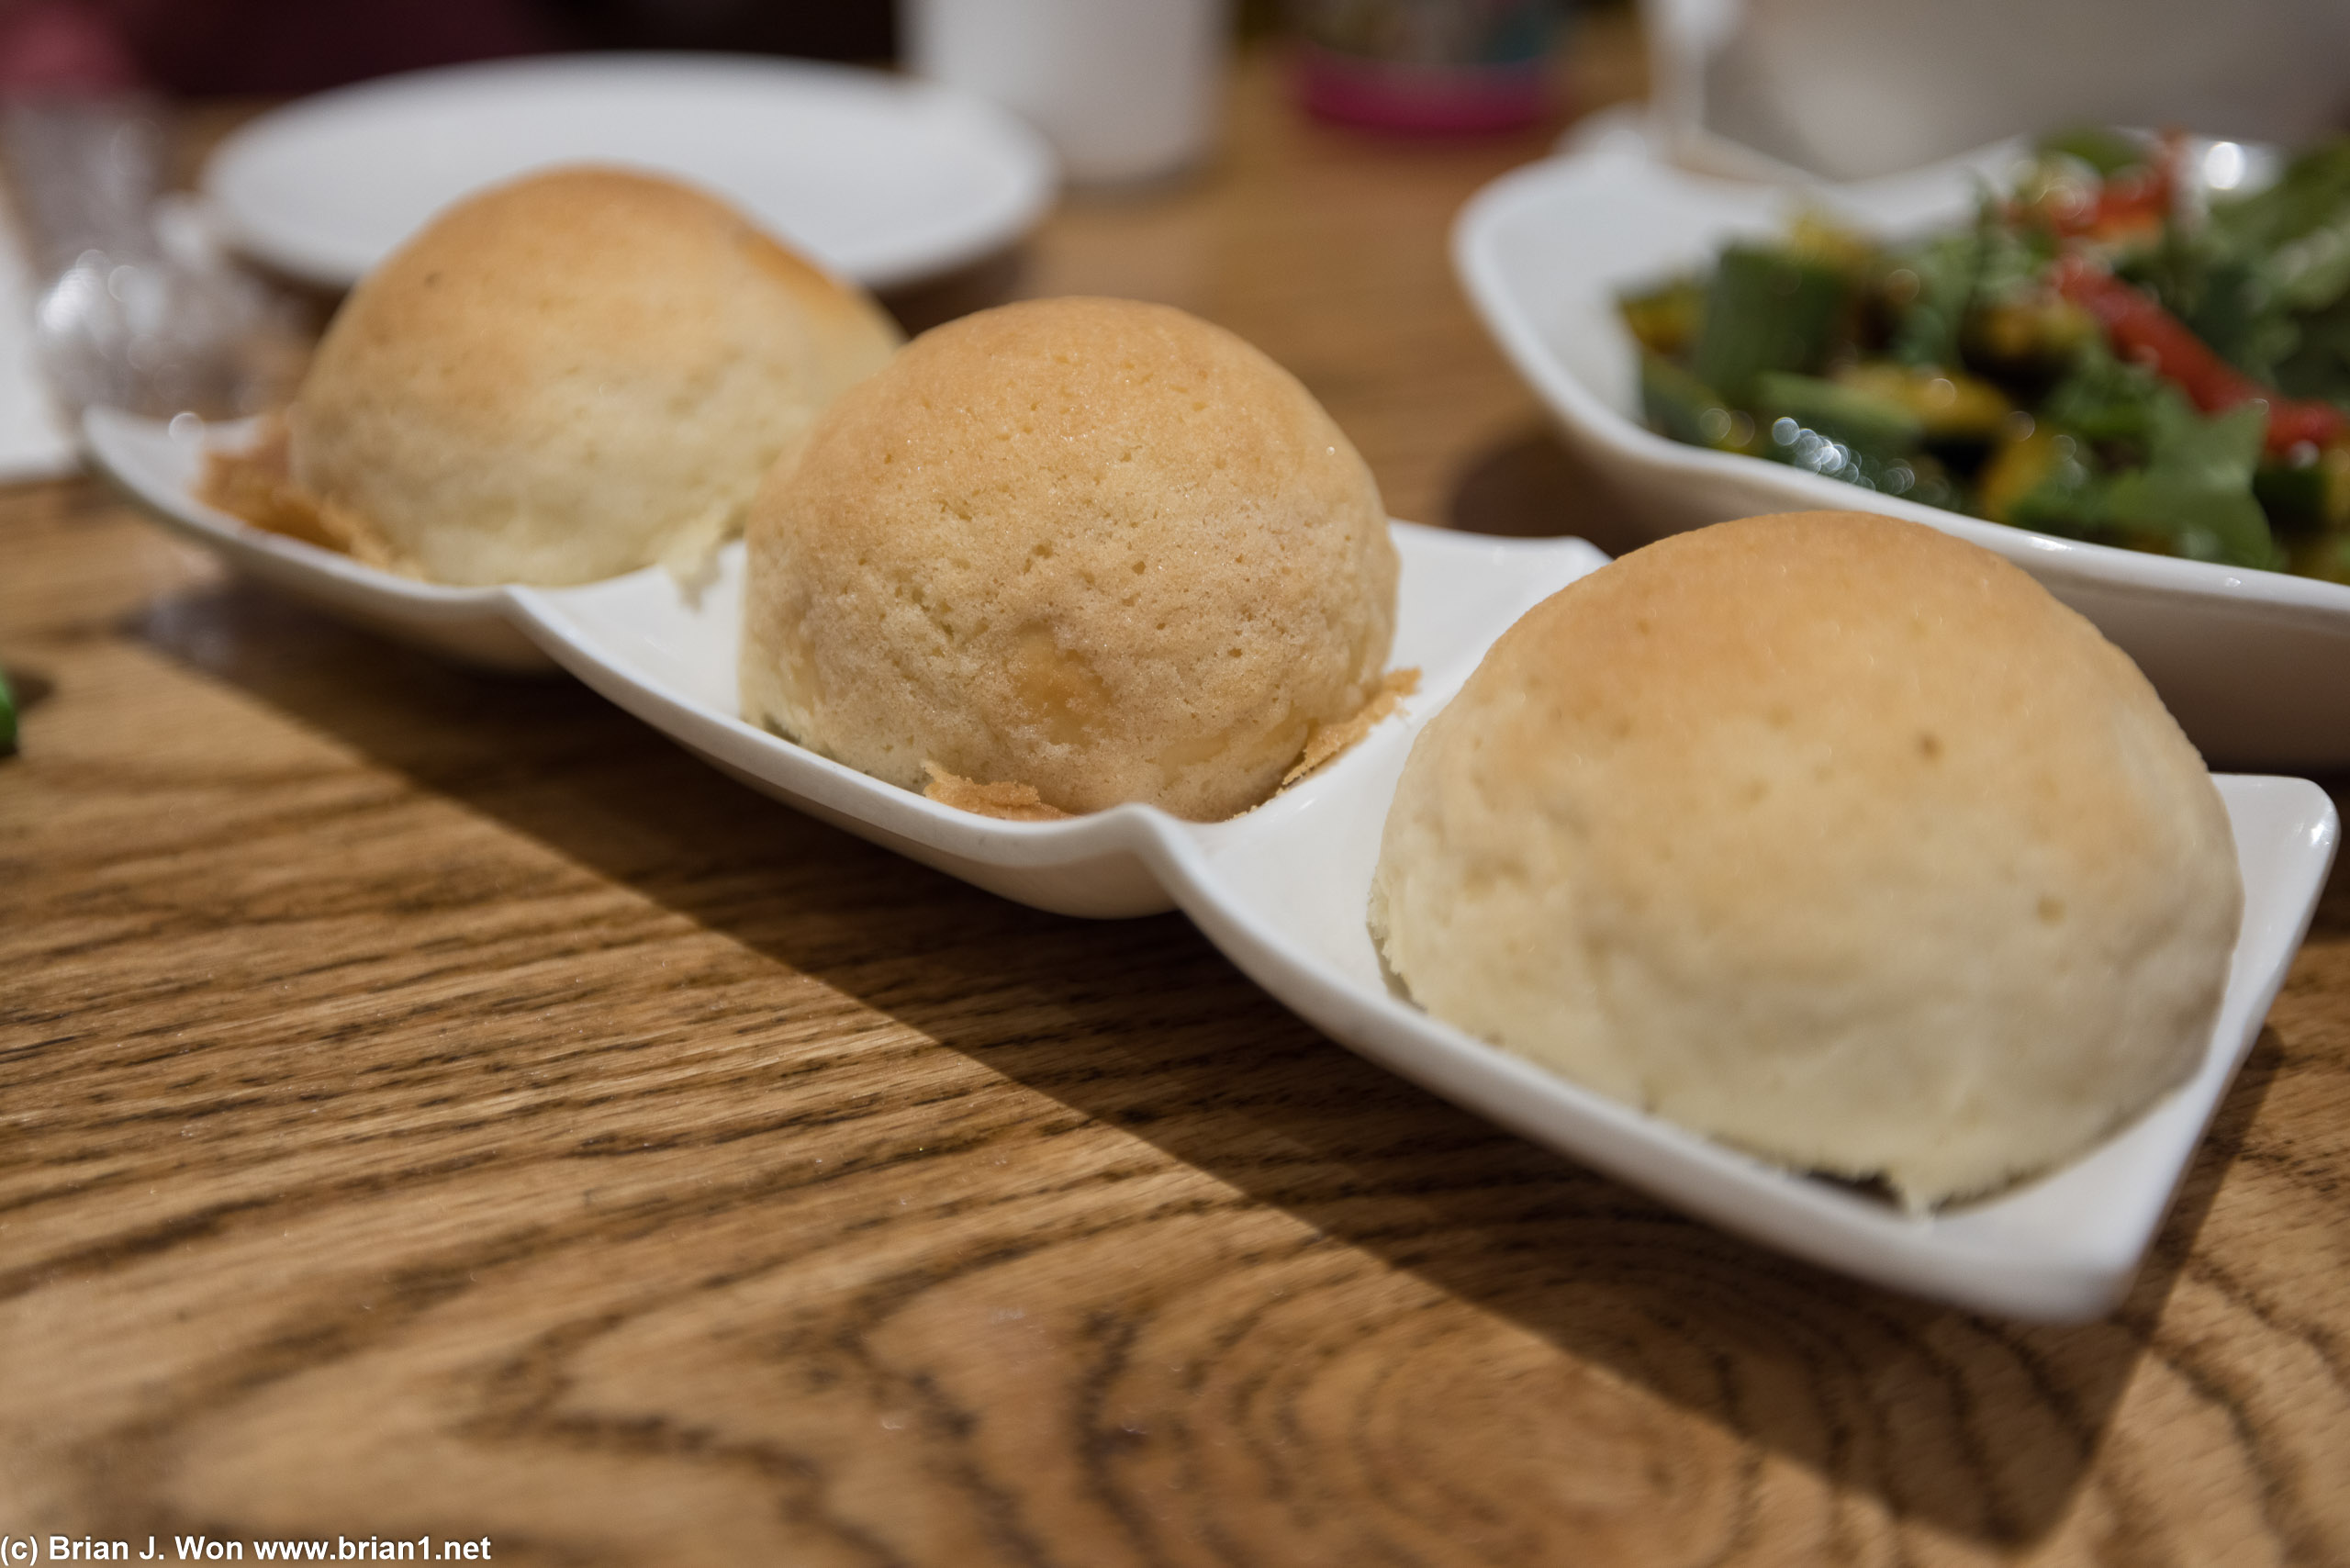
{"points": [[572, 377], [1829, 836], [1091, 548]]}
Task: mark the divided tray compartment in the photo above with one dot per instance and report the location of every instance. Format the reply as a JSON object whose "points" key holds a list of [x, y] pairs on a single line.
{"points": [[1283, 890]]}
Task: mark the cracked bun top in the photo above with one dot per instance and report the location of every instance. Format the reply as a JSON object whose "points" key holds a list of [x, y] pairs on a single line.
{"points": [[1092, 547], [1830, 837], [571, 376]]}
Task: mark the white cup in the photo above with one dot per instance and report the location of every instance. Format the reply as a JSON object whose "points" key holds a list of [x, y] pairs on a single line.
{"points": [[1124, 89], [1854, 88]]}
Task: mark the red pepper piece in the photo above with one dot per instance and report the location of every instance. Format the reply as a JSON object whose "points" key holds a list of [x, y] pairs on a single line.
{"points": [[2141, 330], [2129, 203]]}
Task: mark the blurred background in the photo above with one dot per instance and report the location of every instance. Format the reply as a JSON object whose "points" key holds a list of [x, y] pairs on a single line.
{"points": [[279, 48], [207, 48]]}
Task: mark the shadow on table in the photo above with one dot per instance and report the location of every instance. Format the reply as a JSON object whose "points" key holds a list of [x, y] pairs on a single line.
{"points": [[1983, 1428], [991, 280], [1528, 486]]}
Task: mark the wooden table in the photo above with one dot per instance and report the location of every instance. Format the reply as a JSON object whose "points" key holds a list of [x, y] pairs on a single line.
{"points": [[435, 1106]]}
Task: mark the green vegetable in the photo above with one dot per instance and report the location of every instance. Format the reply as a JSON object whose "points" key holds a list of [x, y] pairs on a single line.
{"points": [[2107, 151], [2011, 262], [1679, 405], [1952, 407], [1664, 319], [1871, 424], [2040, 479], [2312, 192], [2195, 489], [2236, 311], [2313, 271], [2014, 326], [2294, 495], [1911, 368], [2070, 499], [2104, 400], [2246, 280], [1928, 291], [2319, 366], [2327, 556], [1850, 434], [7, 718], [1766, 310]]}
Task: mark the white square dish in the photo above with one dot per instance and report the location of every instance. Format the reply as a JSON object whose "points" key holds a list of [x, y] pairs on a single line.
{"points": [[2255, 665], [1282, 890]]}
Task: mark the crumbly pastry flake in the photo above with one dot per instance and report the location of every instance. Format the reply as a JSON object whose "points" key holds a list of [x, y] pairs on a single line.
{"points": [[1006, 802], [1327, 741], [257, 487], [1021, 802]]}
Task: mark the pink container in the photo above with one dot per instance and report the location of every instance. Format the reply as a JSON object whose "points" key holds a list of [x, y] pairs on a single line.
{"points": [[1430, 66]]}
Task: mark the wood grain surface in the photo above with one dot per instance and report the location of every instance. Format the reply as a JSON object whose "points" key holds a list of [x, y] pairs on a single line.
{"points": [[433, 1106]]}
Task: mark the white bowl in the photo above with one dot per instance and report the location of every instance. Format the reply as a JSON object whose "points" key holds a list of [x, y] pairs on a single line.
{"points": [[2255, 665], [1283, 890]]}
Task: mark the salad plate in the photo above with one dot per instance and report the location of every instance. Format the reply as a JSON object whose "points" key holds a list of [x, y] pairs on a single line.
{"points": [[883, 179], [1283, 890], [2255, 665]]}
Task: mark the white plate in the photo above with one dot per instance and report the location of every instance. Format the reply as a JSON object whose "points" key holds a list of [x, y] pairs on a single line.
{"points": [[1282, 890], [2255, 665], [883, 179]]}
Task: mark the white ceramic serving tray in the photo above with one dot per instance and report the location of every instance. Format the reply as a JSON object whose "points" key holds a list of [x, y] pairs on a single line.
{"points": [[2255, 665], [1283, 889], [882, 178]]}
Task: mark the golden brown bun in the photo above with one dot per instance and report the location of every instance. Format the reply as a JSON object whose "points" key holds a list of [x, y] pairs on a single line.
{"points": [[572, 377], [1830, 837], [1098, 548]]}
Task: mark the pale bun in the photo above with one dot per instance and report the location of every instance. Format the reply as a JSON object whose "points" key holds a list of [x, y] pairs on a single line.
{"points": [[1827, 835], [1091, 549], [572, 377]]}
